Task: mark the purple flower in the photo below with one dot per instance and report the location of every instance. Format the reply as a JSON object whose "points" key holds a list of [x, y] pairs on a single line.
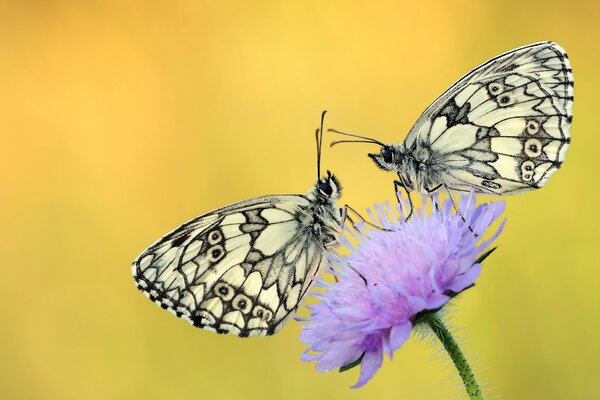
{"points": [[390, 278]]}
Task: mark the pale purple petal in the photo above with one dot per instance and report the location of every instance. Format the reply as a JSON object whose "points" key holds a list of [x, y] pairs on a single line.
{"points": [[465, 280], [337, 356], [371, 362], [399, 334]]}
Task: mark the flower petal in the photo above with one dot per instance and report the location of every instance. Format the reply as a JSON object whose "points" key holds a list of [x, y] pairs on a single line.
{"points": [[338, 356], [399, 334], [370, 364], [465, 280]]}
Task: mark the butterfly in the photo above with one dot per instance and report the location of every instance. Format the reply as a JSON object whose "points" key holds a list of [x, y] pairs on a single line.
{"points": [[243, 269], [501, 129]]}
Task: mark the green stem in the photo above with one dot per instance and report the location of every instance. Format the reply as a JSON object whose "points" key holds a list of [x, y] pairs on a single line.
{"points": [[458, 358]]}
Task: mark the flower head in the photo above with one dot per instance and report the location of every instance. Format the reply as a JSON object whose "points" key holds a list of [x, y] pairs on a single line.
{"points": [[390, 278]]}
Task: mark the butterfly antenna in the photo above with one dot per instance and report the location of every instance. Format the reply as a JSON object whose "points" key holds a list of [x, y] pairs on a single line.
{"points": [[363, 139], [319, 137]]}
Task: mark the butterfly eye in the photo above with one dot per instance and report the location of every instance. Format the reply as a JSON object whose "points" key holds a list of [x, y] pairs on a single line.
{"points": [[387, 154], [325, 187]]}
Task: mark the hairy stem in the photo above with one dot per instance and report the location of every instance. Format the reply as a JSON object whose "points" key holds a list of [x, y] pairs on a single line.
{"points": [[436, 325]]}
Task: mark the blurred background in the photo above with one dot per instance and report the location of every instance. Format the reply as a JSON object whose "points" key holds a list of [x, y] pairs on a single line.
{"points": [[121, 120]]}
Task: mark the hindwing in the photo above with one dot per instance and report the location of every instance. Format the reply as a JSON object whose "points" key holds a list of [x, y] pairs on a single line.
{"points": [[242, 269], [504, 127]]}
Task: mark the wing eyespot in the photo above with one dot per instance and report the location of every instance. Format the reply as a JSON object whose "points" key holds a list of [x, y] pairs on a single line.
{"points": [[532, 127], [528, 166], [533, 148], [215, 237], [527, 170], [215, 253], [242, 303], [527, 176], [504, 100], [496, 88], [262, 313], [224, 291]]}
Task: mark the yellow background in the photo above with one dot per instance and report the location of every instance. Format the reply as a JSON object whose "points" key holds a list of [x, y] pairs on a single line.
{"points": [[122, 119]]}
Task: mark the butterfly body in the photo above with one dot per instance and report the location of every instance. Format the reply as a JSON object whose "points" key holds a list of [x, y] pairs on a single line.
{"points": [[422, 169], [243, 269], [501, 129]]}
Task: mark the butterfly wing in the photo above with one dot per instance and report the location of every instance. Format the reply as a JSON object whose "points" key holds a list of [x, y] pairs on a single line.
{"points": [[504, 127], [242, 269]]}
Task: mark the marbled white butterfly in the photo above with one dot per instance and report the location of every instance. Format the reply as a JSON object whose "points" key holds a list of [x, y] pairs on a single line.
{"points": [[503, 128], [244, 269]]}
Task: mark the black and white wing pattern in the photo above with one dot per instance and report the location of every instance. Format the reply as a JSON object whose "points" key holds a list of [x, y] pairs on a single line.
{"points": [[242, 269], [504, 127]]}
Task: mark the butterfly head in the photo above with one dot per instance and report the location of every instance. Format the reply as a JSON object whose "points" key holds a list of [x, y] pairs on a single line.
{"points": [[387, 158], [326, 188]]}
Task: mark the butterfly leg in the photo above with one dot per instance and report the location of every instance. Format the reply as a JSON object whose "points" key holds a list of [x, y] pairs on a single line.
{"points": [[400, 184], [345, 217], [433, 199], [348, 209], [457, 210], [348, 265]]}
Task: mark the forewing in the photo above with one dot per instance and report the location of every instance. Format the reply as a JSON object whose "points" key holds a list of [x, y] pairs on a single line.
{"points": [[504, 127], [242, 269]]}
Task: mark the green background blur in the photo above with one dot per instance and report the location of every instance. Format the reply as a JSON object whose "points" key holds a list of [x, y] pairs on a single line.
{"points": [[121, 120]]}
